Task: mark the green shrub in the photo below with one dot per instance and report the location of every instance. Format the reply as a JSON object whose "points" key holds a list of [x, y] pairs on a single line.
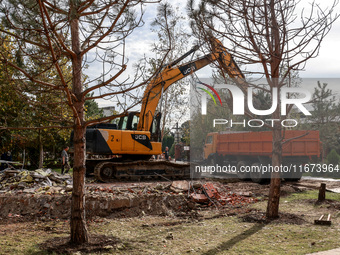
{"points": [[333, 158], [172, 151]]}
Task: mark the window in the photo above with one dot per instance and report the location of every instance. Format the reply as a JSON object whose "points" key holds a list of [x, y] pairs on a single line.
{"points": [[123, 123], [135, 121], [209, 139]]}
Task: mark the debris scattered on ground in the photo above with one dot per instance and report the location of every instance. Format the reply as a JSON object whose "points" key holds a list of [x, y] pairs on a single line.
{"points": [[336, 190], [210, 194], [33, 181], [323, 221], [179, 186], [48, 194], [196, 192]]}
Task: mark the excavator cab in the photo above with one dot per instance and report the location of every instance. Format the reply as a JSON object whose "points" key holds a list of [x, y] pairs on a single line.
{"points": [[130, 122]]}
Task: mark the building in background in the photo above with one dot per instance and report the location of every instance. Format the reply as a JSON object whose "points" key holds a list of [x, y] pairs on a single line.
{"points": [[108, 110]]}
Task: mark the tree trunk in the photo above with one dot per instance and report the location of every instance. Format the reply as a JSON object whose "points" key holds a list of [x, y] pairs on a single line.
{"points": [[41, 156], [275, 182], [322, 192], [79, 233], [41, 152]]}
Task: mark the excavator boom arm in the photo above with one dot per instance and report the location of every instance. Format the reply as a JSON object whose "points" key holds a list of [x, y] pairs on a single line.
{"points": [[172, 74], [169, 76]]}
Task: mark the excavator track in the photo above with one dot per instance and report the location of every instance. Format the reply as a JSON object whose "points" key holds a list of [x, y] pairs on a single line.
{"points": [[109, 171]]}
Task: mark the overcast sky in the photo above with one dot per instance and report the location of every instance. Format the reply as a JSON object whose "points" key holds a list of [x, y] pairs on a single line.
{"points": [[326, 65]]}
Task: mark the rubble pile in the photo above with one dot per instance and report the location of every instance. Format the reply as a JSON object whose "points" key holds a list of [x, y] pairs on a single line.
{"points": [[44, 193], [24, 180], [212, 194]]}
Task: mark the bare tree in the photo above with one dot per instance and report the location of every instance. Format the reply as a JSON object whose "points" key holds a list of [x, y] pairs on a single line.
{"points": [[54, 35], [274, 38], [172, 42]]}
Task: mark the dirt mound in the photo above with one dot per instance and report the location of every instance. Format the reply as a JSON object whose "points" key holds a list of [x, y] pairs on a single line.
{"points": [[123, 201], [44, 206]]}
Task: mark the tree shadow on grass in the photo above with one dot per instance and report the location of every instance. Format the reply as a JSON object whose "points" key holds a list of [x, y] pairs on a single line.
{"points": [[230, 243], [96, 244]]}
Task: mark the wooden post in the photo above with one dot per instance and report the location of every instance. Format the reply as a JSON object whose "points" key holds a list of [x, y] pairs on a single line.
{"points": [[322, 192]]}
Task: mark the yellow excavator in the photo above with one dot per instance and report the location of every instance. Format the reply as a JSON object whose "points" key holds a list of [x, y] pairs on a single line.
{"points": [[124, 149]]}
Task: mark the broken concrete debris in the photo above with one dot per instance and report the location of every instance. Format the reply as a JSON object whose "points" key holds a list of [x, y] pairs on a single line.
{"points": [[179, 186], [48, 181], [210, 194], [14, 179], [46, 193]]}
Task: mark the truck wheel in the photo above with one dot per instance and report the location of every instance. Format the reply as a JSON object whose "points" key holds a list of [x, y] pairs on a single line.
{"points": [[213, 160], [294, 177], [256, 175], [240, 166]]}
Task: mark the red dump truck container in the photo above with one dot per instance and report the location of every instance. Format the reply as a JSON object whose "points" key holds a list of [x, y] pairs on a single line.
{"points": [[250, 148]]}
